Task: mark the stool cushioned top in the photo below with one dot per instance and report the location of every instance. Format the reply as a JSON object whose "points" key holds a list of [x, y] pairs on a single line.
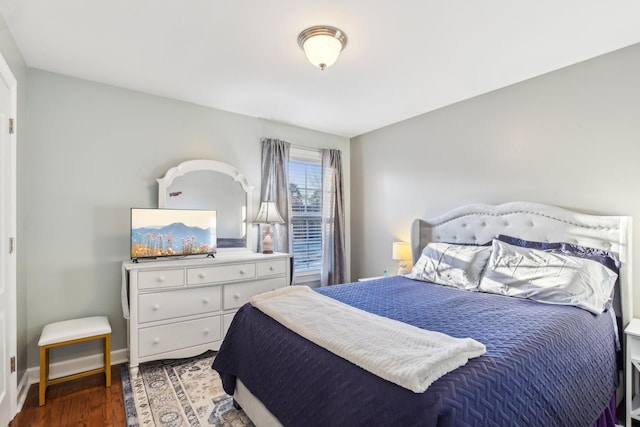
{"points": [[74, 329]]}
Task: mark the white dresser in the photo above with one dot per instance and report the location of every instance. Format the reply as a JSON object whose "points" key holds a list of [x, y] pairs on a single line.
{"points": [[181, 308]]}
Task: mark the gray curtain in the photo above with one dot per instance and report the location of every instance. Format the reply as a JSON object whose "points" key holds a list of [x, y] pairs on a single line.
{"points": [[275, 186], [333, 252]]}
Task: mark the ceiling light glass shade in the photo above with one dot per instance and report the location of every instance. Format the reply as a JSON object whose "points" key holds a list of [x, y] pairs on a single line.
{"points": [[322, 51], [322, 45]]}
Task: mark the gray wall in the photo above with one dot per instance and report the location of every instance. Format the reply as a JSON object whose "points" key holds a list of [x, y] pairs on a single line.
{"points": [[95, 151], [13, 57], [91, 151], [569, 138]]}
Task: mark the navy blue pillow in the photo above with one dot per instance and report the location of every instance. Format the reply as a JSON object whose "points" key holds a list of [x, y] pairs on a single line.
{"points": [[605, 258]]}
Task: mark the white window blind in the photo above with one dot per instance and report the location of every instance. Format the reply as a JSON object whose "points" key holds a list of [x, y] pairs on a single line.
{"points": [[305, 188]]}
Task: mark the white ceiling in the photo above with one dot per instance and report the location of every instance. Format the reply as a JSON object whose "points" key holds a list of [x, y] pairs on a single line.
{"points": [[403, 58]]}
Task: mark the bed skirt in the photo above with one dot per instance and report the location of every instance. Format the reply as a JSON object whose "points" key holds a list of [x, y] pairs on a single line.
{"points": [[608, 417]]}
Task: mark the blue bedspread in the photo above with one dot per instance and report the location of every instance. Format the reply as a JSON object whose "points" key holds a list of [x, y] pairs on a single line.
{"points": [[544, 366]]}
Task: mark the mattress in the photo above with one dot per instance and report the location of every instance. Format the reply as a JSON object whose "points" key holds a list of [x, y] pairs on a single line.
{"points": [[545, 364]]}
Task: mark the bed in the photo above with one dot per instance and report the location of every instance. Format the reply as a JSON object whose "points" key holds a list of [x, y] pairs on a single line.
{"points": [[545, 364]]}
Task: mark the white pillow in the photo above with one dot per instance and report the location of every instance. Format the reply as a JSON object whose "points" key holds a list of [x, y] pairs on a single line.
{"points": [[448, 264], [547, 277]]}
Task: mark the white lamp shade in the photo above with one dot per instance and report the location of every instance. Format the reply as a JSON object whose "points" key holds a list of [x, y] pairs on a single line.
{"points": [[401, 251], [322, 51], [268, 213]]}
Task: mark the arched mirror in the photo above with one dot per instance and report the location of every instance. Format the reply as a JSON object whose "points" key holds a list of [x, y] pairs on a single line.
{"points": [[208, 184]]}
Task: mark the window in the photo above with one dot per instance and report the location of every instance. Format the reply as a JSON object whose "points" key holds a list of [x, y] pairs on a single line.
{"points": [[305, 189]]}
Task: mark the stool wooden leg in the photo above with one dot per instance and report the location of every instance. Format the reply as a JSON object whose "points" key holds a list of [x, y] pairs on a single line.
{"points": [[44, 374], [107, 359]]}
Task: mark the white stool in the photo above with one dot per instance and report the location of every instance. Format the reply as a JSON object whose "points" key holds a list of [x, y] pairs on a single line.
{"points": [[71, 332]]}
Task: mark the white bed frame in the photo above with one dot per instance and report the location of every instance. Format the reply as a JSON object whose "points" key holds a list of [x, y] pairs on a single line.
{"points": [[479, 223]]}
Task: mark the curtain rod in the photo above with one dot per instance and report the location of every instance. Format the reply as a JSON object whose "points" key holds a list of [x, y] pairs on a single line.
{"points": [[302, 147]]}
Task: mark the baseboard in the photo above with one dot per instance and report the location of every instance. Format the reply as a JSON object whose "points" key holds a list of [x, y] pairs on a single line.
{"points": [[74, 366], [23, 390]]}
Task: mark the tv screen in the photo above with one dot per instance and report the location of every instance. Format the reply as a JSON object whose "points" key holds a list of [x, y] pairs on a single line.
{"points": [[159, 233]]}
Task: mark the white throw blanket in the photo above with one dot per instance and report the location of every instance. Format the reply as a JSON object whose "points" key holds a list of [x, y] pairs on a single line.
{"points": [[398, 352]]}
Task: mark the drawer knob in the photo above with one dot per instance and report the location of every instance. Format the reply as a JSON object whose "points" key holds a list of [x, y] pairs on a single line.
{"points": [[242, 272], [236, 296], [206, 331], [161, 279], [156, 340], [155, 307], [272, 268], [202, 275], [205, 300]]}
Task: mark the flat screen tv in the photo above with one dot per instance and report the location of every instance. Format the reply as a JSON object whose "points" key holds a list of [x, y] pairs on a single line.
{"points": [[157, 233]]}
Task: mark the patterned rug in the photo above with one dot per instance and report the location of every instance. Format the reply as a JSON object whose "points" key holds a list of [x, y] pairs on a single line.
{"points": [[179, 392]]}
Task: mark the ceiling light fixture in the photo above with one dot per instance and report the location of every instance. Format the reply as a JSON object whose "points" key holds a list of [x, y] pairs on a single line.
{"points": [[322, 44]]}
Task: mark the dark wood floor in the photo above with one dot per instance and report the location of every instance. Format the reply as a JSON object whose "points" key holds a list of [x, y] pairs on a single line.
{"points": [[83, 402]]}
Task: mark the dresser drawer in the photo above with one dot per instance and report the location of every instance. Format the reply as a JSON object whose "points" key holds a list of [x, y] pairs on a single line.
{"points": [[161, 339], [183, 302], [237, 294], [272, 268], [221, 273], [160, 279]]}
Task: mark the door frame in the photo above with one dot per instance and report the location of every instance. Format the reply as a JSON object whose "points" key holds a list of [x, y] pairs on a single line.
{"points": [[8, 77]]}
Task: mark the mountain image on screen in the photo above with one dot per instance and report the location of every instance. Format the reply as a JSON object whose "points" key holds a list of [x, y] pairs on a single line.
{"points": [[171, 240]]}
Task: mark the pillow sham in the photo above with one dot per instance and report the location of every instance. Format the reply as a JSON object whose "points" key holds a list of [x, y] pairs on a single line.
{"points": [[449, 264], [548, 277], [602, 256]]}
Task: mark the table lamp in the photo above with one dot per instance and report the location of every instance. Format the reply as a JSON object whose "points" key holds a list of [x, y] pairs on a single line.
{"points": [[268, 214], [402, 252]]}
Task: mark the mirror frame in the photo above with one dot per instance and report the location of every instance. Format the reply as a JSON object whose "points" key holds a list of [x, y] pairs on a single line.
{"points": [[213, 166]]}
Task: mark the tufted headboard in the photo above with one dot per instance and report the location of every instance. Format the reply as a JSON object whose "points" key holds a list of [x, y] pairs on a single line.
{"points": [[479, 223]]}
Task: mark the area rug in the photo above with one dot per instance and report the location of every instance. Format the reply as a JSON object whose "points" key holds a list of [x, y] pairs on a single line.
{"points": [[179, 392]]}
